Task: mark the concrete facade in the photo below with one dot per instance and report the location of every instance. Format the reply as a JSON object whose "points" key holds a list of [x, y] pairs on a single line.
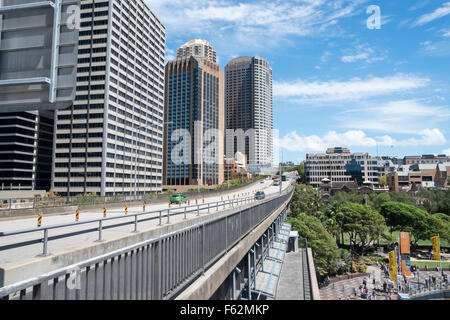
{"points": [[249, 110], [110, 141], [339, 165]]}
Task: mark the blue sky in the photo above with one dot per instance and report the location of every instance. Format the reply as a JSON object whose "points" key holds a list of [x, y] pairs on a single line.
{"points": [[336, 82]]}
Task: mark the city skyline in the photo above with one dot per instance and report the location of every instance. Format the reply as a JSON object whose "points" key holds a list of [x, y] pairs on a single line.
{"points": [[337, 80]]}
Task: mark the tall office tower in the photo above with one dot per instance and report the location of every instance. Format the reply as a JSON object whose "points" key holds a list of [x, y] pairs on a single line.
{"points": [[38, 54], [110, 141], [197, 48], [26, 142], [248, 105], [193, 137]]}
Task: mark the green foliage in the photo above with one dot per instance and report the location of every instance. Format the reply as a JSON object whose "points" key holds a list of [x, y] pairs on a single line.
{"points": [[234, 183], [306, 200], [362, 223], [377, 199], [342, 197], [402, 197], [88, 198], [435, 200], [325, 251], [382, 180], [419, 223]]}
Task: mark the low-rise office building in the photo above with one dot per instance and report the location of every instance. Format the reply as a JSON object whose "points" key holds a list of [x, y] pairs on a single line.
{"points": [[339, 165], [419, 176]]}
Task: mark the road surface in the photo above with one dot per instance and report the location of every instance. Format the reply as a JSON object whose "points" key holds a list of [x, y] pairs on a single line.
{"points": [[9, 255]]}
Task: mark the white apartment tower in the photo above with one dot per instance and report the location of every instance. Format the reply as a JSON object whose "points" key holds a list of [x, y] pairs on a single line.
{"points": [[197, 48], [110, 141]]}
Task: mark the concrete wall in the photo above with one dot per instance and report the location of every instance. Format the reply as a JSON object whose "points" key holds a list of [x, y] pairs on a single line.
{"points": [[315, 293], [63, 210]]}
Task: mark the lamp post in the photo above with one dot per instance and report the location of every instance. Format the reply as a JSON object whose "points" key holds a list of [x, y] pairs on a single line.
{"points": [[351, 254]]}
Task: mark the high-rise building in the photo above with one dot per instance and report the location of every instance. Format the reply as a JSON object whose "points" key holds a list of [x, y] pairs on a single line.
{"points": [[339, 165], [110, 141], [26, 144], [194, 123], [249, 107], [38, 58], [197, 48]]}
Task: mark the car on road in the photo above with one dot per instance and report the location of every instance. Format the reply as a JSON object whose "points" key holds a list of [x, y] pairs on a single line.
{"points": [[262, 181], [424, 256], [276, 182], [260, 195], [177, 198]]}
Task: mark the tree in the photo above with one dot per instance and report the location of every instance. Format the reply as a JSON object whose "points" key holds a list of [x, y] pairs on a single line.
{"points": [[382, 180], [343, 197], [363, 224], [306, 200], [408, 218], [325, 251], [377, 199]]}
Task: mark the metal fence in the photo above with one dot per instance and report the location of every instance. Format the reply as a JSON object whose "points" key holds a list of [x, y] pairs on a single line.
{"points": [[155, 269], [162, 215], [89, 199]]}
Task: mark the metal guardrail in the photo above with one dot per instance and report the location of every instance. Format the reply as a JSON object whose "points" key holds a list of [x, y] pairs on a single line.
{"points": [[57, 202], [135, 218], [154, 269]]}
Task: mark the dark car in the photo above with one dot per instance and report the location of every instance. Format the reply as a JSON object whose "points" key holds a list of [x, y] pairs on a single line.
{"points": [[260, 195]]}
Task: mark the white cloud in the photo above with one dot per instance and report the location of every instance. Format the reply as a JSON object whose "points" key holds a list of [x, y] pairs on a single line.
{"points": [[354, 89], [356, 138], [447, 152], [355, 57], [233, 24], [362, 52], [436, 14]]}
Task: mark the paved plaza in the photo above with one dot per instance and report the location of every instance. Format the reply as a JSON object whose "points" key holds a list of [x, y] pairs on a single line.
{"points": [[343, 290]]}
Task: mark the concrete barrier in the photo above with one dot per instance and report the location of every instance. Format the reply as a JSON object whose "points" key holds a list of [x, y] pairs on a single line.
{"points": [[25, 213], [315, 293], [88, 207]]}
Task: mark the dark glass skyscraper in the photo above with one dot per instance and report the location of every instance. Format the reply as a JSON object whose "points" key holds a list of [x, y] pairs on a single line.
{"points": [[193, 117]]}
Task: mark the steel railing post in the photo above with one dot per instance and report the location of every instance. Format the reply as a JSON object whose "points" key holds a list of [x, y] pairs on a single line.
{"points": [[160, 217], [136, 223], [100, 230], [249, 275], [45, 249]]}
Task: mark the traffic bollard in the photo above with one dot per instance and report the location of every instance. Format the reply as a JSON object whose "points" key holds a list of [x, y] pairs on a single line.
{"points": [[104, 212], [77, 215], [39, 223]]}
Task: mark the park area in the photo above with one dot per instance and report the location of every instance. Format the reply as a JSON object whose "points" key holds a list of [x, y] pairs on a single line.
{"points": [[350, 234]]}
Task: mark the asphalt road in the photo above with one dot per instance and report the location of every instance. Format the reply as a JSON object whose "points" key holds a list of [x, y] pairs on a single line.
{"points": [[9, 255]]}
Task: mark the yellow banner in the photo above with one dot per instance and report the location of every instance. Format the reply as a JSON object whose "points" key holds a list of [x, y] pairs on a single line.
{"points": [[436, 251], [392, 266]]}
